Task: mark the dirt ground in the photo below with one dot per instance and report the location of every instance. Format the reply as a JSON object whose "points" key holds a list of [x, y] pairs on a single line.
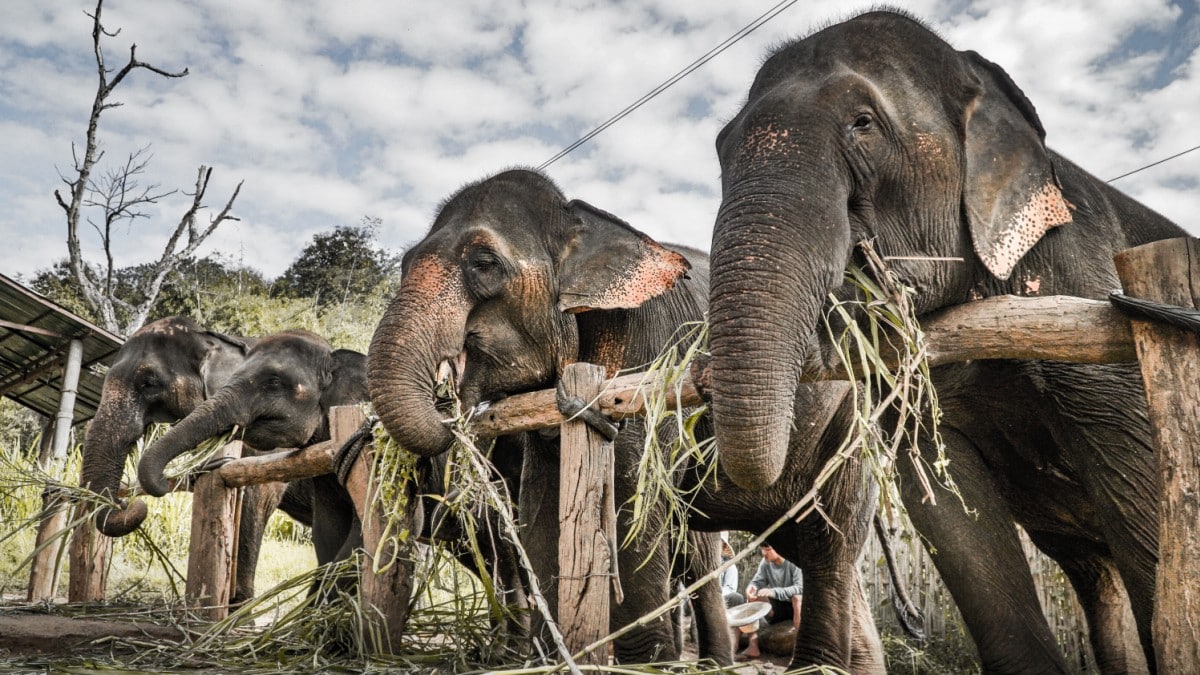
{"points": [[29, 632], [32, 639]]}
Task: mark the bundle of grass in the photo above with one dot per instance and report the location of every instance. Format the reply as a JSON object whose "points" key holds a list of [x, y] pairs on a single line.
{"points": [[145, 564], [882, 349]]}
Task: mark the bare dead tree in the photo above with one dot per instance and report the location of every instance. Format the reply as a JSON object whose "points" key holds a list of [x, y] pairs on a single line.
{"points": [[120, 197]]}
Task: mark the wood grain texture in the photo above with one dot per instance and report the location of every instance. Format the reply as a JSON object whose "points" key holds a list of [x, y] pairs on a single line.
{"points": [[1169, 272], [584, 560], [89, 554], [213, 545]]}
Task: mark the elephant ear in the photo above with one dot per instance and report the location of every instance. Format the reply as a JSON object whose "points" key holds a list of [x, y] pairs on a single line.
{"points": [[348, 382], [607, 264], [1012, 196], [223, 354]]}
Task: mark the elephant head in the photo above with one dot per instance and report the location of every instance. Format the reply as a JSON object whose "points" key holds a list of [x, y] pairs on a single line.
{"points": [[491, 294], [280, 397], [162, 372], [870, 129]]}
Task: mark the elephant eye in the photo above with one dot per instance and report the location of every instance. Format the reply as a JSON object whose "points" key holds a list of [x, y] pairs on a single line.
{"points": [[863, 122], [483, 261], [486, 272]]}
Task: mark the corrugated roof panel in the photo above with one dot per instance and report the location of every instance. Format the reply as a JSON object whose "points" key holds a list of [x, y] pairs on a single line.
{"points": [[34, 336]]}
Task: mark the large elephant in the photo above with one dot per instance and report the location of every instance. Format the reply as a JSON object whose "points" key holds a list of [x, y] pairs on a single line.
{"points": [[161, 374], [280, 397], [877, 129], [512, 283]]}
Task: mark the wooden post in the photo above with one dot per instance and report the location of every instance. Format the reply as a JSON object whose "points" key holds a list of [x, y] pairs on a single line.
{"points": [[1169, 272], [89, 555], [584, 555], [388, 563], [213, 547], [44, 570]]}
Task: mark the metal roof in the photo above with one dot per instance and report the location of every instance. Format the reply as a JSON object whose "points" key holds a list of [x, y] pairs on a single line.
{"points": [[34, 336]]}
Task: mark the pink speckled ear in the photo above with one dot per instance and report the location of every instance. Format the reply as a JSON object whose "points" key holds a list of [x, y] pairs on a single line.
{"points": [[609, 265], [1011, 194]]}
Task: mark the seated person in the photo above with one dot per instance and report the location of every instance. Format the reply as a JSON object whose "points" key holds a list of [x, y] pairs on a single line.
{"points": [[729, 578], [779, 582]]}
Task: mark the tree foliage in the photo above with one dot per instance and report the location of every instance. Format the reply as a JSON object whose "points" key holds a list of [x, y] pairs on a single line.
{"points": [[338, 266], [337, 287]]}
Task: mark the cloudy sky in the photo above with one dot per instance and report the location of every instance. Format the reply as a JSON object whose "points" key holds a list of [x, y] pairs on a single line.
{"points": [[330, 111]]}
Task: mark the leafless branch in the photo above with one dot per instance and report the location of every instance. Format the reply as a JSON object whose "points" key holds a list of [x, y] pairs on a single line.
{"points": [[119, 196]]}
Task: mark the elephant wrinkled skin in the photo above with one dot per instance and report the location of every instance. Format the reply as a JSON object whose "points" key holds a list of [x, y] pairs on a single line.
{"points": [[876, 129]]}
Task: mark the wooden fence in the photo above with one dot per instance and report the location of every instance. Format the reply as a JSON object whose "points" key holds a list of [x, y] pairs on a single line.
{"points": [[1055, 328]]}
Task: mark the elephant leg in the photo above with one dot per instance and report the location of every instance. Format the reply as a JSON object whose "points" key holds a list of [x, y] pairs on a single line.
{"points": [[1112, 631], [258, 503], [980, 559], [538, 513], [336, 533], [297, 501], [333, 517], [644, 564], [708, 604], [1103, 429], [828, 621]]}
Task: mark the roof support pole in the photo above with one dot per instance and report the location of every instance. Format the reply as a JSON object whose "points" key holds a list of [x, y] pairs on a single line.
{"points": [[44, 572]]}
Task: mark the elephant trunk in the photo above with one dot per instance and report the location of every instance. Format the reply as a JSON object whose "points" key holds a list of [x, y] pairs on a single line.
{"points": [[215, 416], [423, 326], [773, 264], [107, 443]]}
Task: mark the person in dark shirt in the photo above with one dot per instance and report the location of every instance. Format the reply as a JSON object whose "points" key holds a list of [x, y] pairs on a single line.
{"points": [[780, 583]]}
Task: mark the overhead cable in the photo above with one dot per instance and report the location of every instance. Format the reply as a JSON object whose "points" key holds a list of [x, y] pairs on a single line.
{"points": [[1165, 159], [712, 53]]}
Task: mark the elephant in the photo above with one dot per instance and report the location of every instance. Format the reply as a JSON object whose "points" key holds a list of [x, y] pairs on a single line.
{"points": [[520, 282], [512, 283], [280, 397], [877, 129], [160, 375]]}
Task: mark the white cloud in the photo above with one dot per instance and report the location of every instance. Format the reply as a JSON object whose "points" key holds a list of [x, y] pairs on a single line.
{"points": [[330, 111]]}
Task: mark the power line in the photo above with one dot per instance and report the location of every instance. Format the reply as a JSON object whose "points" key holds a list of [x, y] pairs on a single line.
{"points": [[749, 28], [1165, 159], [712, 53]]}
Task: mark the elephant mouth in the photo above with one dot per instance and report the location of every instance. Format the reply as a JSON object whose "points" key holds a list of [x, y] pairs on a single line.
{"points": [[448, 384]]}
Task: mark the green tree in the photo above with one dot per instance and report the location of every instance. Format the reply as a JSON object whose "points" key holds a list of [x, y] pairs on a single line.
{"points": [[197, 287], [338, 266]]}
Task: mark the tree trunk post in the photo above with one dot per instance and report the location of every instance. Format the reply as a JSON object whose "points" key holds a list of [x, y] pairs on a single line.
{"points": [[1169, 272], [584, 553], [89, 555], [44, 570], [388, 559], [213, 548]]}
